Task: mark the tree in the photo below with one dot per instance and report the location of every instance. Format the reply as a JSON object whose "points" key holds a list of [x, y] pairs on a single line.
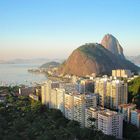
{"points": [[20, 118]]}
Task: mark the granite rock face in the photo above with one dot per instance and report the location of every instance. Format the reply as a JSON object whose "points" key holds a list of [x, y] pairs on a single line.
{"points": [[97, 58], [113, 45]]}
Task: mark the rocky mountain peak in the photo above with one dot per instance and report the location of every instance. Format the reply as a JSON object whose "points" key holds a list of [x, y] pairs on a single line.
{"points": [[113, 45], [97, 58]]}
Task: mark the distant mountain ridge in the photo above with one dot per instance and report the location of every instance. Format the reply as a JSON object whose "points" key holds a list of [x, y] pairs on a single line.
{"points": [[96, 58], [29, 61], [134, 59], [2, 61]]}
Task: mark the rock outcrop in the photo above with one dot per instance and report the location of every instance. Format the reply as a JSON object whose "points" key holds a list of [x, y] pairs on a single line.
{"points": [[96, 58], [113, 45]]}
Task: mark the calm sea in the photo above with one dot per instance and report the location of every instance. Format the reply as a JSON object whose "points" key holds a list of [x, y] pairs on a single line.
{"points": [[12, 74]]}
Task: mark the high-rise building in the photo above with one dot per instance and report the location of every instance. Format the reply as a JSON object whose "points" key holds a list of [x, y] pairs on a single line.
{"points": [[91, 116], [135, 117], [126, 109], [61, 100], [118, 94], [46, 91], [69, 87], [111, 92], [81, 102], [53, 99], [90, 100], [85, 85], [69, 106], [110, 123], [79, 109], [100, 88]]}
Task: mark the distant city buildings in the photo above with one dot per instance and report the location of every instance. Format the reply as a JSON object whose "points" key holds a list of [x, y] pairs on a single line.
{"points": [[121, 73], [91, 101], [135, 117]]}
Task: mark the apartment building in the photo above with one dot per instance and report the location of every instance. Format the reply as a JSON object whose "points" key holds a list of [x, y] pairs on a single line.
{"points": [[46, 91], [126, 109], [90, 100], [53, 99], [110, 123], [85, 85], [111, 92], [135, 118], [100, 88], [121, 73], [81, 102], [118, 94], [91, 116], [83, 107], [61, 100], [69, 87], [69, 106], [79, 109]]}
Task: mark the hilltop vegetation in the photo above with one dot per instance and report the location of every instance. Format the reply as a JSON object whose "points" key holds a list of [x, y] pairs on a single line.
{"points": [[50, 65], [22, 119], [134, 91], [94, 58]]}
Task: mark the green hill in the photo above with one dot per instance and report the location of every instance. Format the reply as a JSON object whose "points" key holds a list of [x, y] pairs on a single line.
{"points": [[23, 119], [94, 58], [50, 65]]}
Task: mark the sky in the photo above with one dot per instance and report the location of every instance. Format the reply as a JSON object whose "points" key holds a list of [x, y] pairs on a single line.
{"points": [[54, 28]]}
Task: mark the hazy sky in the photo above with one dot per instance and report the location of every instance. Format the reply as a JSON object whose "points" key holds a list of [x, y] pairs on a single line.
{"points": [[53, 28]]}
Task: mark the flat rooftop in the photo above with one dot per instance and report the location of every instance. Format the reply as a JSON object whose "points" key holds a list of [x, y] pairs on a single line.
{"points": [[127, 105], [108, 113]]}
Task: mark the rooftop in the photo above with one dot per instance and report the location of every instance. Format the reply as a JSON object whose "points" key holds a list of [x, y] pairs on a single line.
{"points": [[96, 108], [108, 113], [127, 105]]}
